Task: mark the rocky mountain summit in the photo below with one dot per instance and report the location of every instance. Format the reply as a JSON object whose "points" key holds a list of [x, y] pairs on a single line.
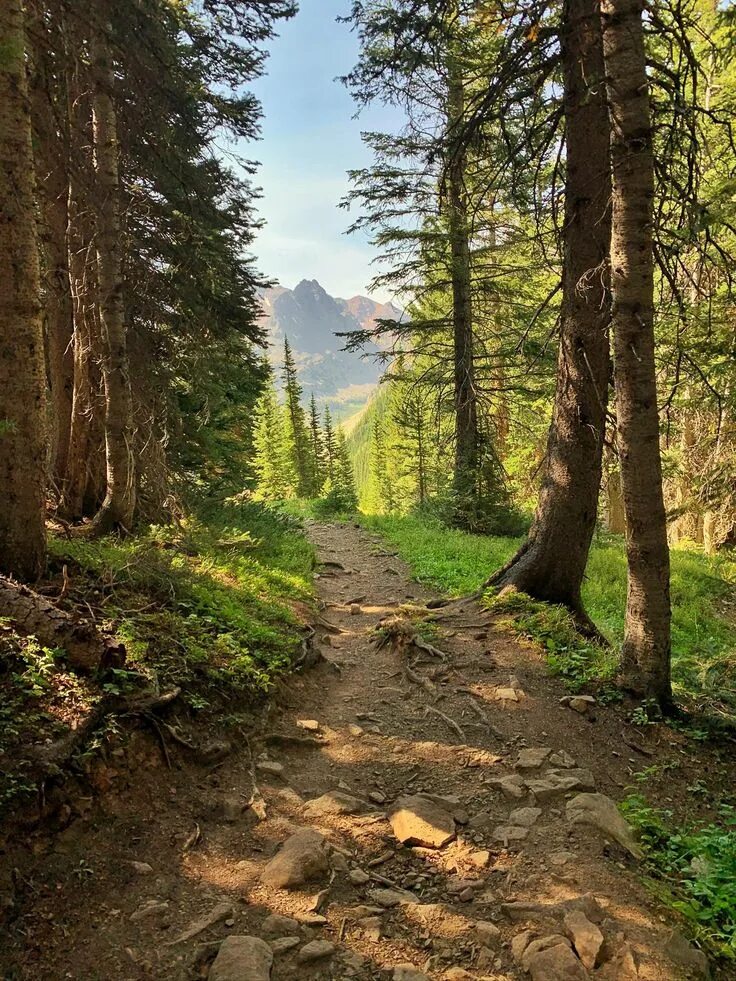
{"points": [[312, 321]]}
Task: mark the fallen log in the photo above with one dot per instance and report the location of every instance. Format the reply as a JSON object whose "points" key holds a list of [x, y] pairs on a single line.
{"points": [[85, 648]]}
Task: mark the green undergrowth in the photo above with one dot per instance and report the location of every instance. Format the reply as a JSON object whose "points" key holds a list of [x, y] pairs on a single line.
{"points": [[214, 605], [703, 630], [693, 870]]}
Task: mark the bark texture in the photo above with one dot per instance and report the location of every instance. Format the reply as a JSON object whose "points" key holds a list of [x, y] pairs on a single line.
{"points": [[32, 614], [465, 483], [22, 382], [646, 650], [51, 145], [118, 507], [551, 564]]}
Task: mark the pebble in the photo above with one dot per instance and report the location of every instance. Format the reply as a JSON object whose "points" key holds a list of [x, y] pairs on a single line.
{"points": [[315, 951]]}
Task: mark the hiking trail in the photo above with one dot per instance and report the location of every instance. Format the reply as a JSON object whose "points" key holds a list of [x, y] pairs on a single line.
{"points": [[436, 800]]}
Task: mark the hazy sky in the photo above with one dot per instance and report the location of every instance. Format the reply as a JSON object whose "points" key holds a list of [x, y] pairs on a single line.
{"points": [[309, 142]]}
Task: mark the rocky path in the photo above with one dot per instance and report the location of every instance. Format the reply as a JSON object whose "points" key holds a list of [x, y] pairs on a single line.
{"points": [[407, 814]]}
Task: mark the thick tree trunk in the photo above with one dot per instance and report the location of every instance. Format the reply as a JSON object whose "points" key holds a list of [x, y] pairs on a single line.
{"points": [[51, 163], [551, 564], [33, 614], [465, 479], [118, 508], [22, 381], [646, 651], [83, 287]]}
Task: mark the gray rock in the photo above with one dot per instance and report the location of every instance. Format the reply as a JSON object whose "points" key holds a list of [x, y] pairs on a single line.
{"points": [[562, 759], [276, 925], [358, 877], [302, 858], [519, 944], [557, 784], [685, 955], [601, 812], [242, 959], [532, 759], [270, 768], [315, 951], [334, 802], [388, 898], [556, 964], [282, 945], [586, 937], [540, 944], [417, 820], [512, 787], [525, 816], [488, 933]]}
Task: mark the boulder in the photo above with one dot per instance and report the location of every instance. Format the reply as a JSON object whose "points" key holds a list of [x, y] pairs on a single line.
{"points": [[302, 858], [510, 832], [556, 964], [601, 812], [242, 959], [540, 944], [282, 945], [419, 821], [586, 937], [488, 933]]}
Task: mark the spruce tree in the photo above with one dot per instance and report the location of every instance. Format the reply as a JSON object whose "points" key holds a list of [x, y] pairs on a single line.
{"points": [[383, 485], [330, 447], [317, 449], [344, 474], [272, 458], [297, 424]]}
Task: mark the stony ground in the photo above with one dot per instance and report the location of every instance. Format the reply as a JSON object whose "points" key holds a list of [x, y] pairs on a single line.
{"points": [[405, 813]]}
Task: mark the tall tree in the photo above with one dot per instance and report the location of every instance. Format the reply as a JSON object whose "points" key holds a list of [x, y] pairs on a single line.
{"points": [[297, 422], [551, 563], [330, 447], [22, 382], [646, 650], [317, 451], [118, 507]]}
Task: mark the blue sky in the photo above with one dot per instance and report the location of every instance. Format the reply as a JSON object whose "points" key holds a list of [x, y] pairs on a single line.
{"points": [[310, 140]]}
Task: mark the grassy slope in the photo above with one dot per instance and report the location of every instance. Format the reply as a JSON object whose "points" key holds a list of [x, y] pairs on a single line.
{"points": [[214, 606], [704, 637]]}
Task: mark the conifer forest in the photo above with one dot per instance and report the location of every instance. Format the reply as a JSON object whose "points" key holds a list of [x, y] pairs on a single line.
{"points": [[392, 637]]}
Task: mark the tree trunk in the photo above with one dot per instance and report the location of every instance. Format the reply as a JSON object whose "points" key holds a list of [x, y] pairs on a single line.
{"points": [[33, 614], [465, 480], [51, 164], [118, 508], [646, 651], [22, 382], [83, 287], [551, 564]]}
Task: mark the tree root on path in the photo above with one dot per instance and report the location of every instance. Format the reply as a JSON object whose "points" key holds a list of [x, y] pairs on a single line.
{"points": [[431, 710]]}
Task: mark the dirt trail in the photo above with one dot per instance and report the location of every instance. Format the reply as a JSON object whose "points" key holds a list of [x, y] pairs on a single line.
{"points": [[360, 724]]}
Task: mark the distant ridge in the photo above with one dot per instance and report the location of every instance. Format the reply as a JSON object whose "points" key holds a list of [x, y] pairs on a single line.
{"points": [[311, 319]]}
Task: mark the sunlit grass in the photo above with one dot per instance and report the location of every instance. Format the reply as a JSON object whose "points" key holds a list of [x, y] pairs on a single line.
{"points": [[703, 634]]}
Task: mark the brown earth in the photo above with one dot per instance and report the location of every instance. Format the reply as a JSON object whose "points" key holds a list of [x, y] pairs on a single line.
{"points": [[361, 723]]}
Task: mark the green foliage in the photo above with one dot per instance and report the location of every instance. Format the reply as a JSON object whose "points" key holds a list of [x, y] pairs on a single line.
{"points": [[694, 869], [569, 655], [215, 605], [704, 632]]}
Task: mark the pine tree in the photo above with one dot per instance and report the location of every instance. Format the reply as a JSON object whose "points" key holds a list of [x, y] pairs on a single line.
{"points": [[272, 458], [330, 447], [383, 486], [22, 376], [317, 449], [297, 425]]}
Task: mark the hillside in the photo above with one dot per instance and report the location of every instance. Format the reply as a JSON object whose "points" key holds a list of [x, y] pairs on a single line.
{"points": [[313, 320]]}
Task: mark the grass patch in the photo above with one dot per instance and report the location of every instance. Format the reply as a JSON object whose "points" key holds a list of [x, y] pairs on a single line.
{"points": [[703, 629], [214, 605], [693, 870]]}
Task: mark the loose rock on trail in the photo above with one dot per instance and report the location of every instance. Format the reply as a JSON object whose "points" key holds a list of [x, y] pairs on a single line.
{"points": [[423, 811]]}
